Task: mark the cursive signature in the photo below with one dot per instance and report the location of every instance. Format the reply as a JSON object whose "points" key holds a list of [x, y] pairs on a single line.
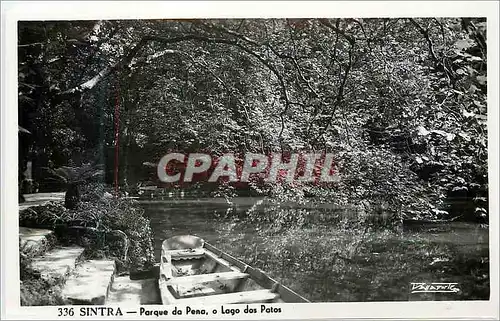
{"points": [[434, 287]]}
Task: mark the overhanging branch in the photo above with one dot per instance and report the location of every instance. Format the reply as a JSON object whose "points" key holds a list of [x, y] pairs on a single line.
{"points": [[91, 83]]}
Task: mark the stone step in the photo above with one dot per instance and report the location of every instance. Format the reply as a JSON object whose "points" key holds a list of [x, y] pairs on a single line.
{"points": [[89, 283], [35, 241], [38, 199], [58, 262], [134, 292]]}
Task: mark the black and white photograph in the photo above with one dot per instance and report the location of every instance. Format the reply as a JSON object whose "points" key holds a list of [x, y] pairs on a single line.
{"points": [[230, 166]]}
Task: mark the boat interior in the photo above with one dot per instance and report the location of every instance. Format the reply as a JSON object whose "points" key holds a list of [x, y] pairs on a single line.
{"points": [[194, 272]]}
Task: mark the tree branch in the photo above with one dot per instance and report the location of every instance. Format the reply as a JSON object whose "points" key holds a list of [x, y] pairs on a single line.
{"points": [[327, 24], [268, 65], [425, 33], [89, 84], [340, 95], [31, 44]]}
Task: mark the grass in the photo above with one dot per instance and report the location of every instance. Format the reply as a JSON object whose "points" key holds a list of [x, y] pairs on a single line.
{"points": [[39, 292], [34, 290]]}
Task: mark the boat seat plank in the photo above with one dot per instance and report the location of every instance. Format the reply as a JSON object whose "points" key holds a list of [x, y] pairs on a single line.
{"points": [[211, 277], [221, 261], [194, 272], [181, 291], [185, 254], [256, 296], [166, 296], [183, 242]]}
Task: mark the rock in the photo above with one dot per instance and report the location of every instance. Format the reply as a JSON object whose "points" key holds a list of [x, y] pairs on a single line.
{"points": [[58, 262], [89, 283], [134, 292], [35, 241]]}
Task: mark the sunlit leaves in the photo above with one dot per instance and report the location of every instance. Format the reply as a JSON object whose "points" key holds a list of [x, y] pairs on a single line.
{"points": [[368, 90]]}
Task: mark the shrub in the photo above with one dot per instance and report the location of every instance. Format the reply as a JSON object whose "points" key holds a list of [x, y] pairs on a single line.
{"points": [[35, 291], [108, 227]]}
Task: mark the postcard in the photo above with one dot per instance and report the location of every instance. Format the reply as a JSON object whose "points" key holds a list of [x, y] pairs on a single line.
{"points": [[250, 160]]}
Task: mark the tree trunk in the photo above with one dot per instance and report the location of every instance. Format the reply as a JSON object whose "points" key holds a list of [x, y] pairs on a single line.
{"points": [[72, 197]]}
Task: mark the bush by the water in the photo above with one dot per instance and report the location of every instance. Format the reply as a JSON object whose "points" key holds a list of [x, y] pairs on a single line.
{"points": [[105, 225]]}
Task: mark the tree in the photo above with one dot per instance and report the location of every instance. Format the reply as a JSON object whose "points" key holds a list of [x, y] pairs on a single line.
{"points": [[403, 99]]}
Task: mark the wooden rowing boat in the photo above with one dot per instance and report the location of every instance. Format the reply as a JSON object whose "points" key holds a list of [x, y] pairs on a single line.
{"points": [[195, 272]]}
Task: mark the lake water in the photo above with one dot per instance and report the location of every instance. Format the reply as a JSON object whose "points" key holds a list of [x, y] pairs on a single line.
{"points": [[201, 217], [381, 268]]}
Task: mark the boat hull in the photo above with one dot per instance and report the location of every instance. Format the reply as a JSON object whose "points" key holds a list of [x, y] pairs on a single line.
{"points": [[195, 272]]}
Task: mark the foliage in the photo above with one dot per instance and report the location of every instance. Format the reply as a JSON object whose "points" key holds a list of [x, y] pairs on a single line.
{"points": [[118, 214], [400, 102], [106, 226], [35, 290], [72, 175], [73, 178]]}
